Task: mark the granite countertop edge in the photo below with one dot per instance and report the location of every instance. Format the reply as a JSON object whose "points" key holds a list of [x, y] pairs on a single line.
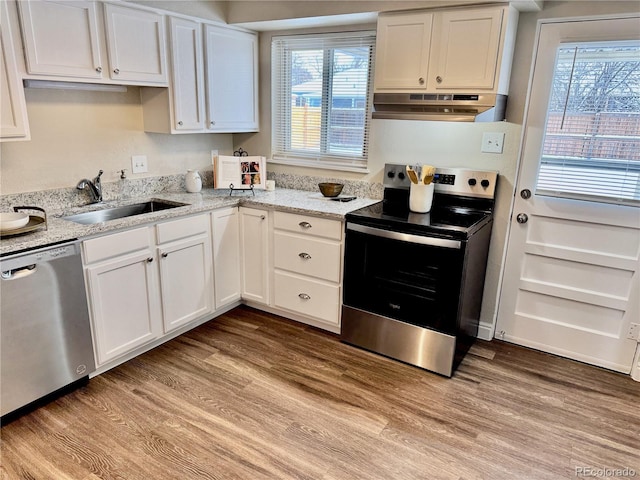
{"points": [[288, 200]]}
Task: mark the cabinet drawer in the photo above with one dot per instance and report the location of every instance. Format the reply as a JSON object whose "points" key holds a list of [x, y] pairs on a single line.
{"points": [[308, 297], [116, 244], [182, 228], [308, 256], [308, 225]]}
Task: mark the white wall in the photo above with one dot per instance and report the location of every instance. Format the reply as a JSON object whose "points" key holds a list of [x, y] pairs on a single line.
{"points": [[76, 133]]}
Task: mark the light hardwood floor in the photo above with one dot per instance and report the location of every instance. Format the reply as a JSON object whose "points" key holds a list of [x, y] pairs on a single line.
{"points": [[252, 396]]}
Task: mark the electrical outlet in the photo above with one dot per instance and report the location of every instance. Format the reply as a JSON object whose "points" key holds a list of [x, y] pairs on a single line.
{"points": [[634, 332], [492, 142], [139, 164]]}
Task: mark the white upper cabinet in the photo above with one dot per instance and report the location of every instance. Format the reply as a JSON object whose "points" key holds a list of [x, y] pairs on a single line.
{"points": [[462, 50], [79, 41], [13, 108], [402, 51], [232, 79], [61, 38], [187, 76], [214, 82], [136, 45], [466, 49]]}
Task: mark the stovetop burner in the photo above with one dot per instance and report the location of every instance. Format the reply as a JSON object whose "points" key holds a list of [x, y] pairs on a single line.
{"points": [[462, 204]]}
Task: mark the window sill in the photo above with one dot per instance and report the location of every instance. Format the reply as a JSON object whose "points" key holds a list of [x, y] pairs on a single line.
{"points": [[321, 165]]}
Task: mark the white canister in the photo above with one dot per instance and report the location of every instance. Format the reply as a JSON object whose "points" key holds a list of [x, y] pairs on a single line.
{"points": [[420, 197], [193, 181], [270, 185]]}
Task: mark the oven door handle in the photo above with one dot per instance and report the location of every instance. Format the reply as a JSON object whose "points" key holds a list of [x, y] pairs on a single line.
{"points": [[405, 237]]}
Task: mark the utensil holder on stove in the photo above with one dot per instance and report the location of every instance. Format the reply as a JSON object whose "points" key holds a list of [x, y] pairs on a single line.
{"points": [[420, 197]]}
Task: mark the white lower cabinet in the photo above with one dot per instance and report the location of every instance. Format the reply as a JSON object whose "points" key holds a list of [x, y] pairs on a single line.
{"points": [[254, 251], [186, 270], [307, 263], [143, 284], [226, 255], [124, 297]]}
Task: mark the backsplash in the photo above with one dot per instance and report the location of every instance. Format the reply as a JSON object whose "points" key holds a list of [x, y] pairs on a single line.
{"points": [[62, 198], [359, 188], [56, 200]]}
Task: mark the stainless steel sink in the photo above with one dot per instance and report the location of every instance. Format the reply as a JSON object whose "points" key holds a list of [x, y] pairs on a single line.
{"points": [[114, 213]]}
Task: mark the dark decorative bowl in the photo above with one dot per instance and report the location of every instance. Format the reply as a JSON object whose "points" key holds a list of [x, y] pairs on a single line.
{"points": [[331, 189]]}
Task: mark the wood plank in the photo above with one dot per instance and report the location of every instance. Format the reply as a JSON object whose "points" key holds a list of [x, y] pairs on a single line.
{"points": [[252, 395]]}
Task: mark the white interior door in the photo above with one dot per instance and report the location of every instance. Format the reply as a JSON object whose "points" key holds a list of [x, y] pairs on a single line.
{"points": [[570, 284]]}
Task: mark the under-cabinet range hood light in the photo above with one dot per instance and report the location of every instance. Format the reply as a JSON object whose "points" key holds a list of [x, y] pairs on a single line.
{"points": [[449, 107], [92, 87]]}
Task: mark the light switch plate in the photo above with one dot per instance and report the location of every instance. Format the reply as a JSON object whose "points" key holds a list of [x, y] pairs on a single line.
{"points": [[139, 164], [492, 142]]}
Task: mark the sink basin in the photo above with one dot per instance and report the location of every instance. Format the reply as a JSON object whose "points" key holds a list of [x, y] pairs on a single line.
{"points": [[114, 213]]}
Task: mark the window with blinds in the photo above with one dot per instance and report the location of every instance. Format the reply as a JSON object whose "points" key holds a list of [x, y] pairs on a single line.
{"points": [[591, 147], [321, 87]]}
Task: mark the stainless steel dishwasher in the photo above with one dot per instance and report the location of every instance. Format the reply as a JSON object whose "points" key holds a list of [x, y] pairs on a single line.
{"points": [[45, 331]]}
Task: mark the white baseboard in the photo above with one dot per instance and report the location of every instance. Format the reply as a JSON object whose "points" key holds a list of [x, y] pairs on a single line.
{"points": [[485, 331]]}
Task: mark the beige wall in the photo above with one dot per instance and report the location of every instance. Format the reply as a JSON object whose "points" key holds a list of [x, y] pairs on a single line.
{"points": [[76, 133]]}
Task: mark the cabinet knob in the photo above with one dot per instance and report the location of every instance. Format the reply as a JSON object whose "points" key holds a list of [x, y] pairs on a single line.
{"points": [[116, 71], [304, 296], [212, 122], [262, 217], [522, 218], [439, 79], [305, 224], [99, 69], [526, 193], [421, 81], [180, 123], [304, 256], [165, 255], [150, 259]]}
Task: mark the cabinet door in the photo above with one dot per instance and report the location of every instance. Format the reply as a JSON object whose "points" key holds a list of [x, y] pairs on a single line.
{"points": [[61, 38], [402, 51], [232, 80], [226, 256], [13, 108], [465, 46], [125, 305], [136, 45], [254, 229], [185, 280], [187, 74]]}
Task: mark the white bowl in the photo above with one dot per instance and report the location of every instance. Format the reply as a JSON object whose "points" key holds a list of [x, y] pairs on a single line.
{"points": [[13, 221]]}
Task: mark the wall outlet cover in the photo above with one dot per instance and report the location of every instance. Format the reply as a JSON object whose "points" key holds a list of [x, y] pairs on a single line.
{"points": [[492, 142]]}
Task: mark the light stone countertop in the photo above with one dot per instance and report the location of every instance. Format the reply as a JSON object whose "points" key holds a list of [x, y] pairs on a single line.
{"points": [[296, 201]]}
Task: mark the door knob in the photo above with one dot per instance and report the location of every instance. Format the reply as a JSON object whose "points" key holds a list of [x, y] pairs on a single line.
{"points": [[522, 218], [526, 193]]}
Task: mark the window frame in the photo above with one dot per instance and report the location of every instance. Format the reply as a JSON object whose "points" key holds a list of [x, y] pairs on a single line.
{"points": [[281, 85]]}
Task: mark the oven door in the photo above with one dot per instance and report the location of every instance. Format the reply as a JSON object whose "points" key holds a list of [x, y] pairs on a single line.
{"points": [[411, 278]]}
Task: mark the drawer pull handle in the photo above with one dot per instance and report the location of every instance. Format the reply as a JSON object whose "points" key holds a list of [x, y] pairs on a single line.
{"points": [[165, 255], [305, 224], [116, 71], [304, 296], [150, 259], [304, 256]]}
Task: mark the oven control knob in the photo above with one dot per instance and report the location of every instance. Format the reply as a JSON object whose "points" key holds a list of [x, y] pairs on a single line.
{"points": [[391, 174], [472, 181], [484, 183]]}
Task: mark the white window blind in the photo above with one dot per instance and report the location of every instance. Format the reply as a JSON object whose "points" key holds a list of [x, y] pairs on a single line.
{"points": [[591, 147], [321, 102]]}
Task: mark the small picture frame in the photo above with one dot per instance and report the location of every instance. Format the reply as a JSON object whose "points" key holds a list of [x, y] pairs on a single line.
{"points": [[239, 173]]}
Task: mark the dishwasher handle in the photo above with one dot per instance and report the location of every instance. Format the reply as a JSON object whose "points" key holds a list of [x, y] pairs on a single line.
{"points": [[20, 272]]}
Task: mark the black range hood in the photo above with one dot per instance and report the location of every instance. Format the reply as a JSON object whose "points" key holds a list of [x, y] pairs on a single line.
{"points": [[447, 107]]}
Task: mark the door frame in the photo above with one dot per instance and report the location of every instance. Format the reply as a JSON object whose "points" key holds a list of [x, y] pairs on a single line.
{"points": [[635, 368]]}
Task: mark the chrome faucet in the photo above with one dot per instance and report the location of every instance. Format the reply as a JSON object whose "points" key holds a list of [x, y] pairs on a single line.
{"points": [[94, 186]]}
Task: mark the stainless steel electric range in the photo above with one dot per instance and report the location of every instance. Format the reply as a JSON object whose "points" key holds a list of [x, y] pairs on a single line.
{"points": [[413, 282]]}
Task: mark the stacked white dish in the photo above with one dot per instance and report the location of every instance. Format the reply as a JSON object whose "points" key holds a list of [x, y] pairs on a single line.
{"points": [[10, 221]]}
